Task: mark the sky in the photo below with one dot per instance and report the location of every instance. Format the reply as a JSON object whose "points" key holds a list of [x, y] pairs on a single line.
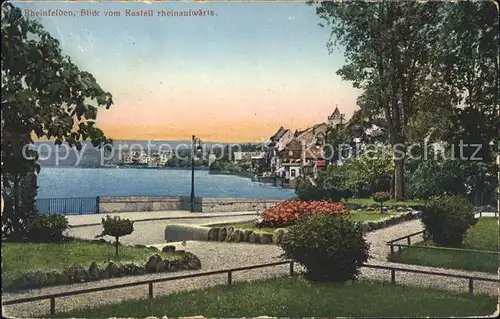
{"points": [[235, 76]]}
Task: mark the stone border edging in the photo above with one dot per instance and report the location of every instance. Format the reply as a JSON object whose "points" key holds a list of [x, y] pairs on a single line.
{"points": [[79, 274], [369, 226], [235, 235]]}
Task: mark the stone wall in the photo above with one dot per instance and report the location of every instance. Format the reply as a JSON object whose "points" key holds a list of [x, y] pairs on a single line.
{"points": [[236, 204], [116, 204]]}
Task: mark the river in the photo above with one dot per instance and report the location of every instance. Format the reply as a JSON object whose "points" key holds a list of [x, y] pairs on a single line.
{"points": [[62, 182]]}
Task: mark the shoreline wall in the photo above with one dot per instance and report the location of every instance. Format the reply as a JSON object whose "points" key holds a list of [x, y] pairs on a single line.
{"points": [[117, 204]]}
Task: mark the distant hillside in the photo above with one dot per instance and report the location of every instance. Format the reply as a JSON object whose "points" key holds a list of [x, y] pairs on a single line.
{"points": [[52, 155]]}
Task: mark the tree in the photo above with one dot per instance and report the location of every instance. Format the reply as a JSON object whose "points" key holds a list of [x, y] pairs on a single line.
{"points": [[381, 197], [470, 68], [368, 173], [387, 48], [44, 94], [116, 227], [16, 224]]}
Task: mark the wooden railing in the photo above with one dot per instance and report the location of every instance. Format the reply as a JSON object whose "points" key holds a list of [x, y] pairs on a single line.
{"points": [[229, 272], [470, 279], [391, 243]]}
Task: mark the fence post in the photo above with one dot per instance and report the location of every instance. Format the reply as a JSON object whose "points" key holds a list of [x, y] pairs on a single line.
{"points": [[291, 268], [229, 277], [471, 285], [392, 249], [150, 290], [399, 249], [52, 306], [393, 276], [81, 203], [408, 240], [97, 202]]}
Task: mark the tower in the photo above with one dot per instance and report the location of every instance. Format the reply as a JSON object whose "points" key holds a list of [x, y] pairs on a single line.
{"points": [[336, 117]]}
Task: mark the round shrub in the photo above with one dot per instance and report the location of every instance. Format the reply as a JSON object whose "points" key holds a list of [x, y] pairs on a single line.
{"points": [[331, 248], [447, 219], [116, 227], [381, 197]]}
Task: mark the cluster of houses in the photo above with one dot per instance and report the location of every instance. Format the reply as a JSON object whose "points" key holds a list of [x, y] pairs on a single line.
{"points": [[141, 158], [284, 159], [290, 155]]}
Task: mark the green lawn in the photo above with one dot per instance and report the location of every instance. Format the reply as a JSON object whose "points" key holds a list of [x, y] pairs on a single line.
{"points": [[296, 297], [482, 236], [19, 258], [369, 202], [358, 215], [362, 215]]}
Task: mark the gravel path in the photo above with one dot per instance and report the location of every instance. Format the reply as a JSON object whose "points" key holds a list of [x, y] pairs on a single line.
{"points": [[153, 232], [95, 219], [215, 256]]}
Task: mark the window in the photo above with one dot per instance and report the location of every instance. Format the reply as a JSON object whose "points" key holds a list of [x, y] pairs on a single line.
{"points": [[293, 173]]}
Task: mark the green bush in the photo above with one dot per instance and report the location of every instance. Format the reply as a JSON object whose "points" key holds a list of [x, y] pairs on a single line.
{"points": [[116, 227], [447, 219], [328, 186], [331, 248], [47, 228], [381, 197]]}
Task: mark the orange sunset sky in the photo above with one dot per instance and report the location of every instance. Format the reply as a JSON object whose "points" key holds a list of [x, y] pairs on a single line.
{"points": [[236, 76]]}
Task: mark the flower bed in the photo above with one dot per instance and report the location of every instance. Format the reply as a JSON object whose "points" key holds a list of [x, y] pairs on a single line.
{"points": [[233, 234], [288, 212]]}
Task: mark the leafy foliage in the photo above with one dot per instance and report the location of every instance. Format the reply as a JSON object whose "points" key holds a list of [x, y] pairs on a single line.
{"points": [[16, 223], [447, 219], [44, 94], [381, 197], [48, 228], [289, 212], [368, 173], [447, 91], [326, 186], [331, 248], [116, 227]]}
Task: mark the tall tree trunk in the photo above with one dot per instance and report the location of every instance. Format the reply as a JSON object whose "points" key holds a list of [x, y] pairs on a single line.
{"points": [[399, 189], [399, 172]]}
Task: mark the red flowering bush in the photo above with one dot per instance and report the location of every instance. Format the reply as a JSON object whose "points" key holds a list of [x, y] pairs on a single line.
{"points": [[288, 212]]}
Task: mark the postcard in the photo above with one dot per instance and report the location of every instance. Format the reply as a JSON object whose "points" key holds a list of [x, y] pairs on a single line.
{"points": [[250, 159]]}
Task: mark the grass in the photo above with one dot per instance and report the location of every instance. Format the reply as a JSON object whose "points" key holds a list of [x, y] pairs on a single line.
{"points": [[20, 258], [296, 297], [358, 215], [363, 215], [483, 237], [369, 202]]}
